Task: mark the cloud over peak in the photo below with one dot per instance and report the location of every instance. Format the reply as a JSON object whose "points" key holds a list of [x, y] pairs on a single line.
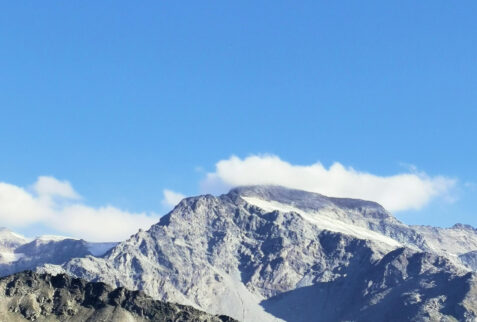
{"points": [[404, 191], [55, 204]]}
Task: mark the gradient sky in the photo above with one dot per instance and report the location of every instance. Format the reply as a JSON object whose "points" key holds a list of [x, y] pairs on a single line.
{"points": [[124, 99]]}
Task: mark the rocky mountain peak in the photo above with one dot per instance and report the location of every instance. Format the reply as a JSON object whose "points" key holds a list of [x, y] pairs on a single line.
{"points": [[308, 201], [464, 227]]}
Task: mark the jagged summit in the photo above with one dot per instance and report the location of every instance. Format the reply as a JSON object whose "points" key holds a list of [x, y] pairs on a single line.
{"points": [[464, 227], [343, 215], [359, 218]]}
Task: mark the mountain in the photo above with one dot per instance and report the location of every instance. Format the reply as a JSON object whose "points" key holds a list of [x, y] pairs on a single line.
{"points": [[29, 296], [17, 253], [267, 253]]}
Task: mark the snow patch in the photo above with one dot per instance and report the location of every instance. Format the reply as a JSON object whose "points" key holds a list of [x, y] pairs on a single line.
{"points": [[323, 219], [48, 238]]}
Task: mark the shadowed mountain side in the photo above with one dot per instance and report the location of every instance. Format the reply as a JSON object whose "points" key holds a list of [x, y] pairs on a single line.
{"points": [[470, 259], [402, 286], [37, 253]]}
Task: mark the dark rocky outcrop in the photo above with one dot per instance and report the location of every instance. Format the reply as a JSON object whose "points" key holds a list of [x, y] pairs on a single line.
{"points": [[44, 297]]}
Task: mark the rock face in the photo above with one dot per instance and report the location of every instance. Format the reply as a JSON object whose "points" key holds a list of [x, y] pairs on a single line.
{"points": [[42, 297], [458, 243], [402, 286], [268, 253]]}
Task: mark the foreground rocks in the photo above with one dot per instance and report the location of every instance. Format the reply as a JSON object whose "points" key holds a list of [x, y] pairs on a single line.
{"points": [[29, 296]]}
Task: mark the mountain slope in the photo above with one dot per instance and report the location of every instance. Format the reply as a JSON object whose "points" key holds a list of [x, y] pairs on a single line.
{"points": [[257, 251], [402, 286], [459, 242], [30, 296]]}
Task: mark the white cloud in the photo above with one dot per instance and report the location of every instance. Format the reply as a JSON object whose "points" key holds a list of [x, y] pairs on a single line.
{"points": [[52, 187], [171, 198], [19, 208], [101, 224], [404, 191], [54, 204]]}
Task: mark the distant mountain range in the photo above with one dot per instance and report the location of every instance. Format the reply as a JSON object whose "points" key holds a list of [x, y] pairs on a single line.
{"points": [[18, 253], [268, 253]]}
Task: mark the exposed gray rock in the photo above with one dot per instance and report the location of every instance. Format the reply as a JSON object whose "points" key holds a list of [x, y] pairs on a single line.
{"points": [[30, 296], [258, 252], [458, 243], [469, 259]]}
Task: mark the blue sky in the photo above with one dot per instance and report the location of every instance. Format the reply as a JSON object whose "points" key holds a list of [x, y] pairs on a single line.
{"points": [[124, 100]]}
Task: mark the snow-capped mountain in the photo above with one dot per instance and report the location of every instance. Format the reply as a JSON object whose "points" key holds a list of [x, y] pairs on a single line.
{"points": [[18, 253], [9, 241], [268, 253]]}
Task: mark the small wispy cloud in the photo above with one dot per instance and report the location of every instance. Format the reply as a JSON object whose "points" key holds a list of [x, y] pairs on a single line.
{"points": [[399, 192], [470, 185], [51, 187], [171, 198]]}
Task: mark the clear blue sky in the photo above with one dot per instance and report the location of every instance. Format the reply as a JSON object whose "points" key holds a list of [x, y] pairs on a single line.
{"points": [[124, 99]]}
